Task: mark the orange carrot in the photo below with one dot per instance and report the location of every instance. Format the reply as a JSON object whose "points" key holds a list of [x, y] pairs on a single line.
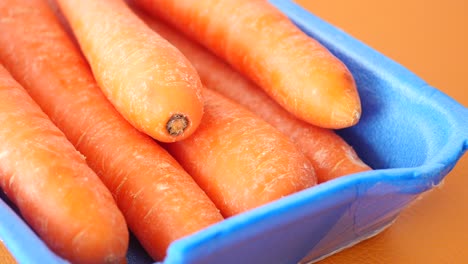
{"points": [[239, 160], [159, 200], [56, 192], [262, 43], [148, 80], [330, 155]]}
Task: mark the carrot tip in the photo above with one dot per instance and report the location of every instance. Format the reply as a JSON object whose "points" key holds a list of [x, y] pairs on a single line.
{"points": [[177, 124], [356, 116], [111, 259]]}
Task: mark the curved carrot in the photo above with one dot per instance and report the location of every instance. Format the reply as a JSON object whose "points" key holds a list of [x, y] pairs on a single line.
{"points": [[261, 42], [239, 160], [149, 81], [160, 201], [330, 155], [56, 192]]}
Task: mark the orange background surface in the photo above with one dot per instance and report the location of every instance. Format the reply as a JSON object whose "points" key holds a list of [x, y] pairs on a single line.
{"points": [[430, 38]]}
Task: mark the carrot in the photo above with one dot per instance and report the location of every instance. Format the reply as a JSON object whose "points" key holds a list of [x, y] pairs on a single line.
{"points": [[330, 155], [149, 81], [159, 200], [56, 192], [263, 44], [239, 160]]}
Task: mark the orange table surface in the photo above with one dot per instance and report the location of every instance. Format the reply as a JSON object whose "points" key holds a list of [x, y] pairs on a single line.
{"points": [[429, 38]]}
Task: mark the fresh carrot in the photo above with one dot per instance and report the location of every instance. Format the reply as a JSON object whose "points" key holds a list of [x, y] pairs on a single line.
{"points": [[56, 192], [159, 200], [330, 155], [148, 80], [239, 160], [263, 44]]}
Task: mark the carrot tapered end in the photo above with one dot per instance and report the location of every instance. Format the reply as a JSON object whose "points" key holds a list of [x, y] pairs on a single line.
{"points": [[343, 116]]}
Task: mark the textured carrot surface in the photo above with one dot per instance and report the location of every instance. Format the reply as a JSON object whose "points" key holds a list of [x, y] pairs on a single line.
{"points": [[160, 201], [148, 80], [56, 192], [263, 44], [330, 155], [239, 160]]}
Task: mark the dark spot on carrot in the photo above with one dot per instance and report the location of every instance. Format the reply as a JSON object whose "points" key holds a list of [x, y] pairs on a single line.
{"points": [[177, 124]]}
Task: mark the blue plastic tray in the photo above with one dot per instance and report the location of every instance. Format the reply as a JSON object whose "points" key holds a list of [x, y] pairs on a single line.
{"points": [[411, 133]]}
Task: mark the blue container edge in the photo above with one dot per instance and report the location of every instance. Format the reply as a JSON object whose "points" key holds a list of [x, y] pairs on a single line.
{"points": [[419, 179]]}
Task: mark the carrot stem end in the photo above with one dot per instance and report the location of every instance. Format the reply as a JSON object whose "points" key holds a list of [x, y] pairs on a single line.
{"points": [[177, 124]]}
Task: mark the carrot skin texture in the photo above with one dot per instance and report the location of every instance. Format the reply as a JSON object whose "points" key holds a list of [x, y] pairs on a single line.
{"points": [[146, 78], [160, 201], [263, 44], [330, 155], [239, 160], [56, 192]]}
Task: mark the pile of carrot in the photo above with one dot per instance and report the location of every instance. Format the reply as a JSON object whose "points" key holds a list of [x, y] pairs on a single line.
{"points": [[161, 117], [154, 193], [56, 192], [330, 155]]}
